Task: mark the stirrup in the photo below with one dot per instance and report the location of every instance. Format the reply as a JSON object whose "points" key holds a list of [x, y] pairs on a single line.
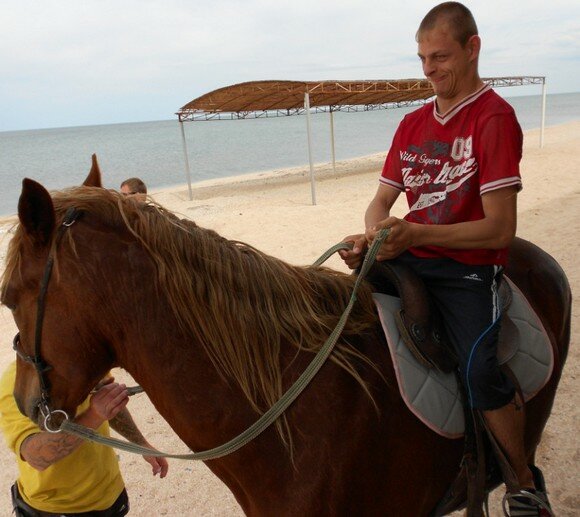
{"points": [[529, 502], [526, 504]]}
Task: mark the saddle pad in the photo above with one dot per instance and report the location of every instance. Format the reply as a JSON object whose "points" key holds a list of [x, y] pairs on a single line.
{"points": [[434, 397]]}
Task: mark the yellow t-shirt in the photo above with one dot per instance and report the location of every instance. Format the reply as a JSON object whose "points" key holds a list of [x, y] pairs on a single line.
{"points": [[87, 479]]}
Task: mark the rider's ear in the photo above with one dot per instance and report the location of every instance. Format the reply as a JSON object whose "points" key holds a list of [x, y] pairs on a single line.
{"points": [[94, 177], [36, 212]]}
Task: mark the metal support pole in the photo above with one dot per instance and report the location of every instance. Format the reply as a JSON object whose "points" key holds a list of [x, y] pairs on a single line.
{"points": [[309, 133], [543, 113], [332, 140], [187, 171]]}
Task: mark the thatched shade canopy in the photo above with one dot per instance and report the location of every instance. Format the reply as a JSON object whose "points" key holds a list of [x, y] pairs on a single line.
{"points": [[256, 99], [267, 98], [289, 95]]}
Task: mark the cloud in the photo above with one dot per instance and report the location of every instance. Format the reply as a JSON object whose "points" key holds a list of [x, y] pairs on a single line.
{"points": [[67, 63]]}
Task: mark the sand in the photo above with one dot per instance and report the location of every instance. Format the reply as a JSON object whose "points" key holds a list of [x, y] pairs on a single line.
{"points": [[273, 212]]}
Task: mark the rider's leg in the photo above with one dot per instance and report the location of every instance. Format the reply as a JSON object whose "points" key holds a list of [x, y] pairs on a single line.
{"points": [[507, 425]]}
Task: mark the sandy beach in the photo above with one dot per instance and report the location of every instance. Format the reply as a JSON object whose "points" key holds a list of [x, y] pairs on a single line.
{"points": [[273, 212]]}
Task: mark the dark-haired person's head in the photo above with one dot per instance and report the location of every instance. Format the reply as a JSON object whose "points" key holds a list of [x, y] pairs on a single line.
{"points": [[456, 16], [449, 47], [134, 187]]}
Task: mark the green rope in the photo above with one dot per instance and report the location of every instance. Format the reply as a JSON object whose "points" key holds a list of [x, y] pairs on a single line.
{"points": [[279, 407], [328, 253]]}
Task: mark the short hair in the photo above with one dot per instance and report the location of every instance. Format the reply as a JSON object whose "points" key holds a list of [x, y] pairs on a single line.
{"points": [[459, 17], [136, 185]]}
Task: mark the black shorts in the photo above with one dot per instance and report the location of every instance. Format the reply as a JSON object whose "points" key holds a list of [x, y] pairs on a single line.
{"points": [[467, 297], [21, 509]]}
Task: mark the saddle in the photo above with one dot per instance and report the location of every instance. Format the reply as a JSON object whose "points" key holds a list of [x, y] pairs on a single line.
{"points": [[419, 320]]}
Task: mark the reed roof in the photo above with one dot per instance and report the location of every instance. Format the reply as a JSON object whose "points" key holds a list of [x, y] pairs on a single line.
{"points": [[258, 98]]}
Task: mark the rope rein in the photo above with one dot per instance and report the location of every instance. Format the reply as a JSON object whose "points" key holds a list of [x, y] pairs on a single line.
{"points": [[278, 408]]}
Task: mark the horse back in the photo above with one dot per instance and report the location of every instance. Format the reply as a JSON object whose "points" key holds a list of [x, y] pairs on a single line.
{"points": [[544, 284]]}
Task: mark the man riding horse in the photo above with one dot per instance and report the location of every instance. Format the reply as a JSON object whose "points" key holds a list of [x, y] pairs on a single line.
{"points": [[457, 160]]}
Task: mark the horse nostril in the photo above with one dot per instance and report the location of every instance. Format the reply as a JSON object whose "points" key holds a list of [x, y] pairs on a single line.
{"points": [[35, 416], [34, 413], [31, 410], [21, 406]]}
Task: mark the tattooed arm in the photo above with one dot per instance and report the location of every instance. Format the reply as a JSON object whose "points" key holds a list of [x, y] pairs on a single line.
{"points": [[123, 423], [43, 449], [108, 402]]}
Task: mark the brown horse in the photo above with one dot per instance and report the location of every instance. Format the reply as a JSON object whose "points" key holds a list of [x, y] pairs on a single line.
{"points": [[215, 331]]}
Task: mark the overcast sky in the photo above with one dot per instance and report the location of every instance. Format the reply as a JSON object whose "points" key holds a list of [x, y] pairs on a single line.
{"points": [[67, 63]]}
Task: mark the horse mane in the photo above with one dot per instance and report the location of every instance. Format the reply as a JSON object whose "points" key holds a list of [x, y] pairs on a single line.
{"points": [[241, 304]]}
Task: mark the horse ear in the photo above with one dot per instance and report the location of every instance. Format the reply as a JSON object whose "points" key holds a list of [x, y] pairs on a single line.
{"points": [[36, 212], [94, 177]]}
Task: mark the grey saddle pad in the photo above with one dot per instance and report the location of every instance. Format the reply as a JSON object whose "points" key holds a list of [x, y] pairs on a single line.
{"points": [[434, 396]]}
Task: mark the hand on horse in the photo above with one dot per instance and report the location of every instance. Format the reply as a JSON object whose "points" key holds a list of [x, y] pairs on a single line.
{"points": [[158, 465], [400, 238], [353, 258], [108, 399]]}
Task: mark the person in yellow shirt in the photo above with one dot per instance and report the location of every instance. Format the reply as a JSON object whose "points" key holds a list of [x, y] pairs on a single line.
{"points": [[60, 474]]}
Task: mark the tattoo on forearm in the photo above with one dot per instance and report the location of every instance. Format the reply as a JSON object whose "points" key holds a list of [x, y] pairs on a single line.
{"points": [[44, 449], [123, 423]]}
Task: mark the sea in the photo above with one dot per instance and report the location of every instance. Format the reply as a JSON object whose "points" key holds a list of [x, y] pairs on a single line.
{"points": [[153, 151]]}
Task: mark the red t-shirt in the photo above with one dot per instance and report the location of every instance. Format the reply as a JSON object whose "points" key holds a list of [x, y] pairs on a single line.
{"points": [[445, 163]]}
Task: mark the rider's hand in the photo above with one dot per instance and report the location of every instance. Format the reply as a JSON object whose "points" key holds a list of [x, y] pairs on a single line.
{"points": [[353, 258], [400, 238]]}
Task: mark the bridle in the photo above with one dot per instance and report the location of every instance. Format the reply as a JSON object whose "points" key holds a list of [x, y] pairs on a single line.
{"points": [[40, 365]]}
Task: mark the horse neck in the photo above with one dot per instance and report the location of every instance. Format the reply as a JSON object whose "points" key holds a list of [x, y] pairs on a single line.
{"points": [[180, 380]]}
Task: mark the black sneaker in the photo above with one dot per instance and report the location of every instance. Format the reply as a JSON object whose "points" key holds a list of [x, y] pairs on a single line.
{"points": [[530, 502], [541, 491]]}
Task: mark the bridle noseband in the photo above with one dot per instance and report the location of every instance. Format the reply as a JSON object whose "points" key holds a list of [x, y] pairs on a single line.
{"points": [[40, 365]]}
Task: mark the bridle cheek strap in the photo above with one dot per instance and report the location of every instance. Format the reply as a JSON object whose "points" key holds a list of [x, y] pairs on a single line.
{"points": [[41, 366]]}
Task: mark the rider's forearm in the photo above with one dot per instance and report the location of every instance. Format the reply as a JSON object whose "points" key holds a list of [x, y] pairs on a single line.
{"points": [[43, 449], [375, 213], [482, 234], [495, 230]]}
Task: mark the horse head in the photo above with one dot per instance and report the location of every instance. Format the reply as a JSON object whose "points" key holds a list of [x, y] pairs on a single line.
{"points": [[54, 346]]}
